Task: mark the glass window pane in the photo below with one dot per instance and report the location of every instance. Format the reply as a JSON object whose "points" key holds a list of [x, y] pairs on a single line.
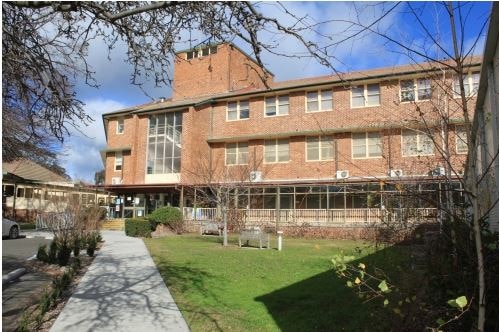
{"points": [[326, 105], [312, 106], [283, 105], [359, 151], [313, 154], [407, 90], [373, 100]]}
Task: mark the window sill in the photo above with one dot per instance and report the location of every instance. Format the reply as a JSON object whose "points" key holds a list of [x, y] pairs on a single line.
{"points": [[363, 158], [367, 106], [274, 116], [227, 120], [320, 111]]}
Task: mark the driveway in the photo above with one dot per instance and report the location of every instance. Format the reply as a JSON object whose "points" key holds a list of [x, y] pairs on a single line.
{"points": [[16, 252]]}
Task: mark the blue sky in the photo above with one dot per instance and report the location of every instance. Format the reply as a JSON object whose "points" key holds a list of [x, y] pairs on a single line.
{"points": [[80, 152]]}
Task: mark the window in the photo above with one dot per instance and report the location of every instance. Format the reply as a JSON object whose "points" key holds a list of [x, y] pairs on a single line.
{"points": [[415, 90], [365, 95], [238, 110], [366, 145], [205, 51], [118, 161], [276, 150], [236, 153], [120, 126], [277, 105], [416, 143], [319, 101], [320, 148], [461, 140], [164, 146], [470, 82]]}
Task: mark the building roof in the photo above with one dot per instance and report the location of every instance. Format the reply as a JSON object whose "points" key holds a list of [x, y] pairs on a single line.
{"points": [[346, 79], [29, 170]]}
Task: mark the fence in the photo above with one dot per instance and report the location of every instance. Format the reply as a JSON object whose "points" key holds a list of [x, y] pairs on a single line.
{"points": [[316, 217]]}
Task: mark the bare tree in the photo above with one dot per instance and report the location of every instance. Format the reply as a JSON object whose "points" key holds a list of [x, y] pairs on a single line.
{"points": [[45, 49], [220, 184]]}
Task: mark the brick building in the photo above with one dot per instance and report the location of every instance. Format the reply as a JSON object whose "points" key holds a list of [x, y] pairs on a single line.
{"points": [[333, 142]]}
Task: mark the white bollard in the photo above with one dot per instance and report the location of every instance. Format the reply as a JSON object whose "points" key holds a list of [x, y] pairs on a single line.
{"points": [[279, 240]]}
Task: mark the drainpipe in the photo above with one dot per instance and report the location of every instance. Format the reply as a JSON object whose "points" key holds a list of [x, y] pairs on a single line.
{"points": [[14, 203], [278, 208]]}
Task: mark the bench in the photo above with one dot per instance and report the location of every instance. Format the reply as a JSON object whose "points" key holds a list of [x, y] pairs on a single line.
{"points": [[254, 234], [211, 228]]}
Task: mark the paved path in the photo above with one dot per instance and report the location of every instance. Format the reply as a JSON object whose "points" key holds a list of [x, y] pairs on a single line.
{"points": [[121, 291]]}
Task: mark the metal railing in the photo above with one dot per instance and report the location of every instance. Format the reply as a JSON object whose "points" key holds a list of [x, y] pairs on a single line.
{"points": [[315, 216]]}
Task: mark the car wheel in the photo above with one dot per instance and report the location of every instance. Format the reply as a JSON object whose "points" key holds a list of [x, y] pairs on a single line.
{"points": [[14, 232]]}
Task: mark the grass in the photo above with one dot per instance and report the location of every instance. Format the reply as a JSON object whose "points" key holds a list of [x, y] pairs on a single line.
{"points": [[232, 289]]}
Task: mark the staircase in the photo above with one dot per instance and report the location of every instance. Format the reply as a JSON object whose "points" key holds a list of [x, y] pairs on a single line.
{"points": [[113, 225]]}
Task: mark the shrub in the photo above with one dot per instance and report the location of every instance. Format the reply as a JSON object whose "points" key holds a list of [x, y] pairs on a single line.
{"points": [[168, 216], [42, 255], [91, 244], [63, 254], [52, 255], [77, 246], [137, 227]]}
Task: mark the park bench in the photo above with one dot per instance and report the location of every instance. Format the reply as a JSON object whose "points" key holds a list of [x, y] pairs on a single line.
{"points": [[254, 234], [211, 227]]}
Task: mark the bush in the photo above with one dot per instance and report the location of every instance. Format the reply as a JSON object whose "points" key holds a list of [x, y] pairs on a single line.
{"points": [[63, 254], [42, 255], [137, 227], [168, 216], [76, 246], [52, 255]]}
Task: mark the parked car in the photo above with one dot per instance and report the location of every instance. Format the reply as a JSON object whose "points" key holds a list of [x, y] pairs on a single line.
{"points": [[10, 228]]}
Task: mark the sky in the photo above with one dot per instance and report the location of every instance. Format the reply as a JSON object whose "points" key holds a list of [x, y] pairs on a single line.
{"points": [[413, 24]]}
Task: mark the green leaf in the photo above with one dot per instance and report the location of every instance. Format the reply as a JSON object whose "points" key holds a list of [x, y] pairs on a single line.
{"points": [[452, 303], [407, 300], [362, 266], [349, 284], [462, 301], [361, 274], [385, 302], [357, 281], [400, 303], [383, 286], [440, 321]]}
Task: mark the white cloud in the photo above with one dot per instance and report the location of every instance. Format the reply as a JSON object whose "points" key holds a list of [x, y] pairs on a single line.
{"points": [[81, 151]]}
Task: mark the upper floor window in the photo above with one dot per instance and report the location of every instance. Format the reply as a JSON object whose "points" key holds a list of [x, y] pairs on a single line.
{"points": [[470, 82], [416, 143], [278, 105], [461, 140], [366, 95], [238, 110], [164, 143], [205, 51], [118, 161], [320, 148], [236, 153], [366, 145], [276, 150], [415, 89], [318, 101], [120, 126]]}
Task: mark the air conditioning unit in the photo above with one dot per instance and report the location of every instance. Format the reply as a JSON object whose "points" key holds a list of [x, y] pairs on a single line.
{"points": [[440, 170], [255, 176], [116, 180], [396, 173], [342, 174]]}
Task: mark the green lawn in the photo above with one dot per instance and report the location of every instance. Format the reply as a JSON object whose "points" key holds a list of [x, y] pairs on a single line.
{"points": [[232, 289]]}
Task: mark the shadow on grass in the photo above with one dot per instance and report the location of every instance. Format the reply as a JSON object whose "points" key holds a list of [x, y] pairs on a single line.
{"points": [[325, 303]]}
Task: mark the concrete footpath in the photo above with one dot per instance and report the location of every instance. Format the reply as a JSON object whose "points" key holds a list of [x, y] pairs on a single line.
{"points": [[121, 291]]}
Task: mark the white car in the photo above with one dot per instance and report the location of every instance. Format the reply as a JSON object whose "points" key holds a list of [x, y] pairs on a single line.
{"points": [[10, 228]]}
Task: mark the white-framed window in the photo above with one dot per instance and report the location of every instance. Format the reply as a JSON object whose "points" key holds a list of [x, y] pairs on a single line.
{"points": [[318, 101], [236, 153], [470, 82], [461, 140], [365, 95], [366, 145], [415, 89], [320, 148], [205, 51], [164, 143], [416, 143], [278, 105], [120, 126], [238, 110], [276, 150], [118, 161]]}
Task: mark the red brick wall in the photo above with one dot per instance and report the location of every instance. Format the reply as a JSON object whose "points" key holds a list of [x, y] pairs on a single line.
{"points": [[227, 70]]}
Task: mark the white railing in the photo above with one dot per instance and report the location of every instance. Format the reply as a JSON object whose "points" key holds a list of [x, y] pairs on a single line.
{"points": [[316, 216]]}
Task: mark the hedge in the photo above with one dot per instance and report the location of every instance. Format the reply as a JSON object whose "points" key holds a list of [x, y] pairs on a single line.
{"points": [[137, 227], [170, 216]]}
